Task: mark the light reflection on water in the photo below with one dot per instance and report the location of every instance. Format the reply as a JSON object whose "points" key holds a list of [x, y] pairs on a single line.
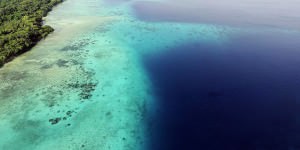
{"points": [[275, 13]]}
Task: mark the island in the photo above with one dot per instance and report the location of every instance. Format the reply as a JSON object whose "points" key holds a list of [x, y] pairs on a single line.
{"points": [[21, 25]]}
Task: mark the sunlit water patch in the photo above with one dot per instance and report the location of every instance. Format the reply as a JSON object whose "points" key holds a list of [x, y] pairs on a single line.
{"points": [[73, 90], [246, 13]]}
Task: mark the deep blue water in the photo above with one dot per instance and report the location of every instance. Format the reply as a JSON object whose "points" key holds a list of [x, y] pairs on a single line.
{"points": [[240, 95]]}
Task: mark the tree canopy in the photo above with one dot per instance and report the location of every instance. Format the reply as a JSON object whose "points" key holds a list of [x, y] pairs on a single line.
{"points": [[21, 25]]}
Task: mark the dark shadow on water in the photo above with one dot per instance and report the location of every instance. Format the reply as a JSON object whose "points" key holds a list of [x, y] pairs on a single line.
{"points": [[242, 95]]}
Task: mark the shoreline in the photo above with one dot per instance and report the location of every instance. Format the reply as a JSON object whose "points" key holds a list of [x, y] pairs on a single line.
{"points": [[9, 54], [80, 87]]}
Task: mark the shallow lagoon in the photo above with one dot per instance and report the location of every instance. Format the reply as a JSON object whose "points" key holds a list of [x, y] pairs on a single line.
{"points": [[122, 75]]}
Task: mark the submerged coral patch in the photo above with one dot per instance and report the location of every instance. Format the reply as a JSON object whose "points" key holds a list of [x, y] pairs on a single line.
{"points": [[78, 45], [62, 63], [55, 120]]}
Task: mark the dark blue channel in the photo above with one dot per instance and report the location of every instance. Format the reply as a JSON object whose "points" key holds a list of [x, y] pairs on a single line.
{"points": [[240, 95]]}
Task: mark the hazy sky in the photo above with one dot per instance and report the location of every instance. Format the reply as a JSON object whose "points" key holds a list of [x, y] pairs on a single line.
{"points": [[278, 13]]}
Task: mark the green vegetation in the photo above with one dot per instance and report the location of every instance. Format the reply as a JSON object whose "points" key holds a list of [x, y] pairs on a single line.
{"points": [[21, 25]]}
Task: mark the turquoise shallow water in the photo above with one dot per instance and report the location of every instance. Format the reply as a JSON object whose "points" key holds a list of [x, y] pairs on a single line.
{"points": [[85, 86]]}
